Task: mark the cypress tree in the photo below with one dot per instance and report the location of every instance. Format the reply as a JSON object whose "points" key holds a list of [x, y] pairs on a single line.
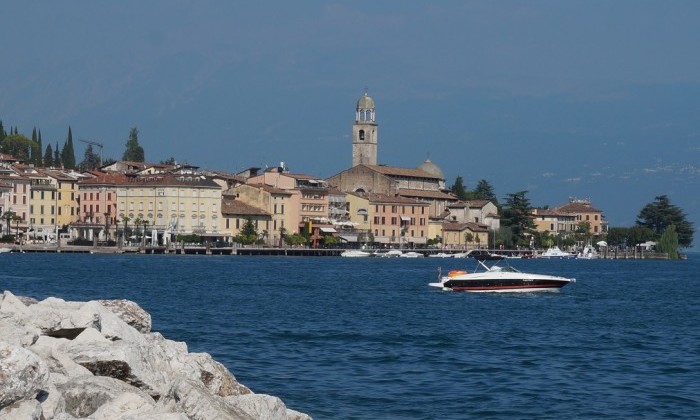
{"points": [[68, 153], [2, 131], [39, 160], [57, 157], [134, 152], [48, 157]]}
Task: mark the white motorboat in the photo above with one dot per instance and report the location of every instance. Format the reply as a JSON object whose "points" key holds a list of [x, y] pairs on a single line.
{"points": [[498, 278], [355, 253], [441, 255], [5, 249], [392, 253], [411, 254], [556, 253], [588, 253]]}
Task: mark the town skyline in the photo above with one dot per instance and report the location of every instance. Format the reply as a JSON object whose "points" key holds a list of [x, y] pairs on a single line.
{"points": [[562, 100]]}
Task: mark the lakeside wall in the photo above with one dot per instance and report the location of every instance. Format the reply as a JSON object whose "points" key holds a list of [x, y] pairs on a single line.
{"points": [[99, 359]]}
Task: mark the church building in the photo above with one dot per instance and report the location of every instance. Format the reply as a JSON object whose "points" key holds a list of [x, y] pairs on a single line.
{"points": [[426, 183]]}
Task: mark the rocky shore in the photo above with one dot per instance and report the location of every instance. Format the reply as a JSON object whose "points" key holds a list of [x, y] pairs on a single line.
{"points": [[99, 360]]}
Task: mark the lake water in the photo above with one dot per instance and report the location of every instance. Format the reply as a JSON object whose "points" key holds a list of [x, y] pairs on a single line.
{"points": [[367, 338]]}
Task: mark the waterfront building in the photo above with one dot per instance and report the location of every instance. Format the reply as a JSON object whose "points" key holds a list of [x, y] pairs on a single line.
{"points": [[309, 195], [170, 204], [554, 221], [585, 212], [275, 202], [13, 197], [392, 219], [98, 204], [565, 219], [236, 214], [464, 235], [66, 183]]}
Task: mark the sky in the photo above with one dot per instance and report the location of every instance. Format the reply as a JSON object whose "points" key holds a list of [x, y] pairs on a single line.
{"points": [[589, 99]]}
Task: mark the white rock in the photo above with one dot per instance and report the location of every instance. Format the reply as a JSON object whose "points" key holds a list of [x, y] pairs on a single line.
{"points": [[24, 410], [11, 304], [133, 363], [130, 312], [16, 330], [50, 350], [111, 326], [22, 374], [199, 404], [83, 396], [295, 415], [124, 404], [259, 406], [58, 318]]}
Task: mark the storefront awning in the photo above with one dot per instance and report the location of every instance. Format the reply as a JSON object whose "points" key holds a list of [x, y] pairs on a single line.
{"points": [[328, 230]]}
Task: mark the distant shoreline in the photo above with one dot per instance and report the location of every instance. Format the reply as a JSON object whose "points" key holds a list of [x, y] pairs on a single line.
{"points": [[274, 251]]}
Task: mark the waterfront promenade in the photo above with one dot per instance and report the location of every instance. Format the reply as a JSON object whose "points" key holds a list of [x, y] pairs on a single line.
{"points": [[281, 251]]}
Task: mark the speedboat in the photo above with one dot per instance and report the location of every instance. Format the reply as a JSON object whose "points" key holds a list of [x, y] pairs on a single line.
{"points": [[441, 255], [588, 253], [5, 249], [411, 254], [483, 255], [498, 278], [392, 253], [355, 253], [554, 253]]}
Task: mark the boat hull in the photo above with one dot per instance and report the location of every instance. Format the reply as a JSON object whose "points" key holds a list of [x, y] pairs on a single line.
{"points": [[502, 283]]}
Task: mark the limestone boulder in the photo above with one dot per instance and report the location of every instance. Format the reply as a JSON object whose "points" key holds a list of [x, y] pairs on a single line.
{"points": [[259, 406], [84, 396], [22, 374], [58, 318], [111, 326], [130, 312], [193, 399], [24, 409]]}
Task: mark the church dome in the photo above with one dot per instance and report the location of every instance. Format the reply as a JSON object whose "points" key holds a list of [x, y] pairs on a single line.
{"points": [[365, 102], [432, 169]]}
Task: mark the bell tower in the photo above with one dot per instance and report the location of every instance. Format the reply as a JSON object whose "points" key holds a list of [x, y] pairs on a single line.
{"points": [[364, 132]]}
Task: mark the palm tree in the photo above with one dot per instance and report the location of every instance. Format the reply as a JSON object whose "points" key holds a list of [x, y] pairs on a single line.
{"points": [[126, 219]]}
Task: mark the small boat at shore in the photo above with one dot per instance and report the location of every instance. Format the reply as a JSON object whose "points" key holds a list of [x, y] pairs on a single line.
{"points": [[355, 253], [411, 254], [5, 250], [554, 253], [498, 278]]}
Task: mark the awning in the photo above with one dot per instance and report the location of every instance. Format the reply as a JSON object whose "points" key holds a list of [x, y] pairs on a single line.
{"points": [[328, 230], [405, 218]]}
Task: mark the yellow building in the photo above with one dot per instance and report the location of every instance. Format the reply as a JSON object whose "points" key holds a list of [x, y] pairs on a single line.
{"points": [[275, 202], [67, 210], [171, 204], [466, 235], [309, 195]]}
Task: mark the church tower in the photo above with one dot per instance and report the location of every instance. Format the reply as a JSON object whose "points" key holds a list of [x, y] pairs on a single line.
{"points": [[364, 132]]}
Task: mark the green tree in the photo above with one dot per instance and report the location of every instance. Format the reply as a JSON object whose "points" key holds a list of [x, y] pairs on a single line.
{"points": [[18, 146], [91, 160], [48, 156], [2, 132], [248, 234], [134, 152], [639, 234], [517, 214], [68, 153], [484, 191], [661, 214], [57, 162], [616, 236], [39, 161], [668, 242], [459, 189]]}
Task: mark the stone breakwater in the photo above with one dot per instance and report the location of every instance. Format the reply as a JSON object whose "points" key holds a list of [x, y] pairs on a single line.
{"points": [[99, 360]]}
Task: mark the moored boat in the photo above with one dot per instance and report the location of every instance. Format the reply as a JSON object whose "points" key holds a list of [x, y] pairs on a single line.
{"points": [[554, 253], [498, 278], [355, 253]]}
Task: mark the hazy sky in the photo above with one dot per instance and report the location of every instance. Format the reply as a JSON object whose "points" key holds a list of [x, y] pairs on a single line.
{"points": [[589, 99]]}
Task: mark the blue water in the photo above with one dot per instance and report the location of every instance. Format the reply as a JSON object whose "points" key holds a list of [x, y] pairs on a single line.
{"points": [[367, 338]]}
